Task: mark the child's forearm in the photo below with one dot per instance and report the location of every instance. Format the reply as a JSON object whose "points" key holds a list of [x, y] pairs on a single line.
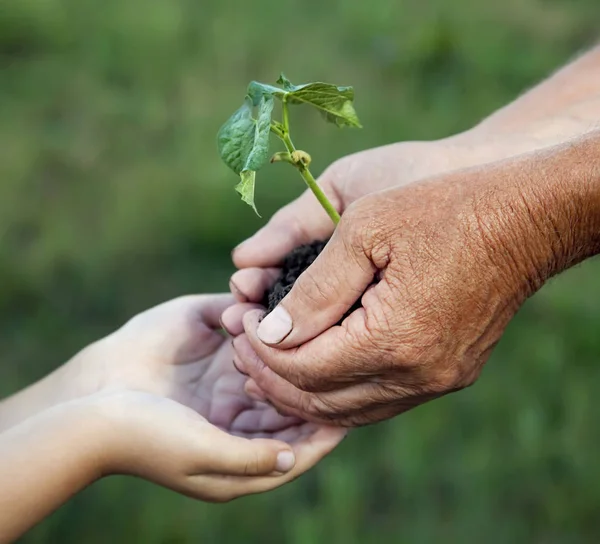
{"points": [[43, 462], [73, 380]]}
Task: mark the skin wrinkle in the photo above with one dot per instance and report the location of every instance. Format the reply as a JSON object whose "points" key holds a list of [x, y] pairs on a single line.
{"points": [[547, 226], [322, 286], [460, 254], [353, 250], [498, 243], [524, 263], [372, 234], [378, 394]]}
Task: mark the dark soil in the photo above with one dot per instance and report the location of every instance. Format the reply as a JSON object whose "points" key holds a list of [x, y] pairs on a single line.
{"points": [[296, 262]]}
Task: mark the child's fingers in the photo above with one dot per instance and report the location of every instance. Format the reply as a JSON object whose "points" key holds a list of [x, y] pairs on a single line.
{"points": [[265, 419], [180, 330], [232, 317], [210, 308], [308, 451], [230, 455], [250, 284]]}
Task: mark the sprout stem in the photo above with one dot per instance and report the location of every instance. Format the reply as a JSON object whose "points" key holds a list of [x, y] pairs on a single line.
{"points": [[282, 132]]}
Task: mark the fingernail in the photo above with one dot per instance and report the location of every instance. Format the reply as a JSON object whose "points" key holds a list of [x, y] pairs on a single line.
{"points": [[223, 326], [236, 292], [275, 326], [285, 461], [237, 364]]}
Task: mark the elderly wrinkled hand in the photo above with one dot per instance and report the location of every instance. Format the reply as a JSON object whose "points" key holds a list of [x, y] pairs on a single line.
{"points": [[441, 267]]}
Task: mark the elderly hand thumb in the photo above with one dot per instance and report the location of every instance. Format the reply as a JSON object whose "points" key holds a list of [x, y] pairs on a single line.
{"points": [[275, 326]]}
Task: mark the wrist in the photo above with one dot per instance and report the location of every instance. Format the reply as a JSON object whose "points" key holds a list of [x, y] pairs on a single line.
{"points": [[543, 212], [67, 435], [577, 198], [79, 377], [88, 426]]}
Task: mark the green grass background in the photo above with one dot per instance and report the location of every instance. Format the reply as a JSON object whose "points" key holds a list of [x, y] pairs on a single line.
{"points": [[112, 199]]}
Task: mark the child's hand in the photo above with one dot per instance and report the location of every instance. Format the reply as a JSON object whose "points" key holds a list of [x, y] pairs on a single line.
{"points": [[52, 455], [175, 350], [172, 445], [167, 378]]}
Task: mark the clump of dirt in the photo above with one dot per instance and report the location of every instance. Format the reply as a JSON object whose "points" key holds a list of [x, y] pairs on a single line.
{"points": [[295, 262]]}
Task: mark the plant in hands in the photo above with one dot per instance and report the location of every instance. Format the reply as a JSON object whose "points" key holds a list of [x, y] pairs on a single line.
{"points": [[451, 278], [243, 143], [562, 107], [318, 380]]}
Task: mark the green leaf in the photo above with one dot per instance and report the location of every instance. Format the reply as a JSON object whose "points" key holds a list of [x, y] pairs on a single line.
{"points": [[246, 188], [259, 149], [285, 82], [335, 103], [243, 144], [257, 90], [236, 136]]}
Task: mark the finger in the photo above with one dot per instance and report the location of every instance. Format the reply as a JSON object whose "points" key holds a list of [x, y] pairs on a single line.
{"points": [[322, 407], [264, 419], [180, 330], [210, 308], [342, 400], [290, 435], [251, 284], [308, 451], [283, 396], [354, 406], [330, 397], [206, 309], [323, 293], [232, 317], [228, 454], [330, 360], [299, 433], [203, 338], [288, 229]]}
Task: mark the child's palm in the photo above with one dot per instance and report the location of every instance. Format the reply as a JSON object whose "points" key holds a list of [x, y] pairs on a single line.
{"points": [[176, 350]]}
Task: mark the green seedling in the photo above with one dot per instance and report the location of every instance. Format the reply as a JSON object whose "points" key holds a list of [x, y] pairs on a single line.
{"points": [[244, 139]]}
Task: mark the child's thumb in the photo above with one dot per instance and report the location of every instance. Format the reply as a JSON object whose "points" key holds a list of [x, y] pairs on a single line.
{"points": [[243, 457]]}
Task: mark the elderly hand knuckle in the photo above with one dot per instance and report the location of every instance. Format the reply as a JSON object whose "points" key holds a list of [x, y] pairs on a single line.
{"points": [[261, 374], [312, 290], [313, 406], [306, 383], [369, 229]]}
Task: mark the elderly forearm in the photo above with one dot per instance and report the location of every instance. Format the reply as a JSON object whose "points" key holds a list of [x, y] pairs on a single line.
{"points": [[43, 462], [545, 216]]}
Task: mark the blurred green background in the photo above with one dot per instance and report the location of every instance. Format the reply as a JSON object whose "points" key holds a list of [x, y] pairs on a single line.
{"points": [[112, 199]]}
